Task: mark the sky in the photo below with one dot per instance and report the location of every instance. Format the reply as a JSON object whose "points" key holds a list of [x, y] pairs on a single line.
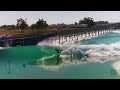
{"points": [[55, 17]]}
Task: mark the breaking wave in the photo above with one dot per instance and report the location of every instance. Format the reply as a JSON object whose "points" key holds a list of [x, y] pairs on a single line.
{"points": [[92, 51], [101, 50]]}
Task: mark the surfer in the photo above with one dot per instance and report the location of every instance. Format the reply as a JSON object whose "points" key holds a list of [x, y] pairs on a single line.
{"points": [[24, 65], [57, 51]]}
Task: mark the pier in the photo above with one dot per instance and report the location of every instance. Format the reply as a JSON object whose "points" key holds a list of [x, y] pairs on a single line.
{"points": [[83, 34], [60, 37]]}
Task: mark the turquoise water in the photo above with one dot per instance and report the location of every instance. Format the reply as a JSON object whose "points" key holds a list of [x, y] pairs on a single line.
{"points": [[94, 58], [108, 38]]}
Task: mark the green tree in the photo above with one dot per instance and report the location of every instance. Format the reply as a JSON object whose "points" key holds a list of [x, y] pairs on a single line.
{"points": [[41, 24], [22, 24], [33, 26], [89, 21]]}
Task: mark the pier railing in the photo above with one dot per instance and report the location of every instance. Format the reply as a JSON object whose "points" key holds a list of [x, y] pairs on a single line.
{"points": [[76, 34]]}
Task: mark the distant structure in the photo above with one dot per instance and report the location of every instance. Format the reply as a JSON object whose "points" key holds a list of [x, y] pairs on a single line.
{"points": [[107, 24], [58, 26], [116, 25], [102, 22], [81, 24], [8, 27], [77, 26]]}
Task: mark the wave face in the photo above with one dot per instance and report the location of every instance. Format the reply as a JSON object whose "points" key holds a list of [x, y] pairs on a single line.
{"points": [[26, 53], [107, 38]]}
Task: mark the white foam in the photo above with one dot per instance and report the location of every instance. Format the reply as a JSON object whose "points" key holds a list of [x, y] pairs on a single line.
{"points": [[116, 66], [46, 57], [117, 31], [92, 51], [52, 68], [44, 43], [2, 48], [72, 40], [67, 59]]}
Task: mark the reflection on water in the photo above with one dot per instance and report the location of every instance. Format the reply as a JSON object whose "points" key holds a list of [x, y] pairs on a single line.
{"points": [[61, 60], [49, 63], [9, 67], [73, 59], [113, 72], [38, 65], [58, 61], [54, 63]]}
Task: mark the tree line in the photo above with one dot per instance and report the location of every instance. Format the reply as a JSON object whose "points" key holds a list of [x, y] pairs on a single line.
{"points": [[42, 24], [22, 24], [88, 21]]}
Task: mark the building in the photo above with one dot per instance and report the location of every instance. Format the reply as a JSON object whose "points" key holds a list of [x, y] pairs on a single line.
{"points": [[78, 26], [8, 27], [102, 22]]}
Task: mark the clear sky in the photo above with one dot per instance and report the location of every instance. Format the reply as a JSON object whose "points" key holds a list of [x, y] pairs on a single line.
{"points": [[54, 17]]}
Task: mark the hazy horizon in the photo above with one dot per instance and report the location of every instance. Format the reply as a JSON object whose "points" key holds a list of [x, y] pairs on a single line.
{"points": [[55, 17]]}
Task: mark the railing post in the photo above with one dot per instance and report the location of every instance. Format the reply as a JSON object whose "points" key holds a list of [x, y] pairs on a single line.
{"points": [[6, 41], [35, 37], [23, 39], [59, 39]]}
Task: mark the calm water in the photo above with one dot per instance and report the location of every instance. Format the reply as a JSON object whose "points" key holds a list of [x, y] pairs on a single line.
{"points": [[97, 58]]}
